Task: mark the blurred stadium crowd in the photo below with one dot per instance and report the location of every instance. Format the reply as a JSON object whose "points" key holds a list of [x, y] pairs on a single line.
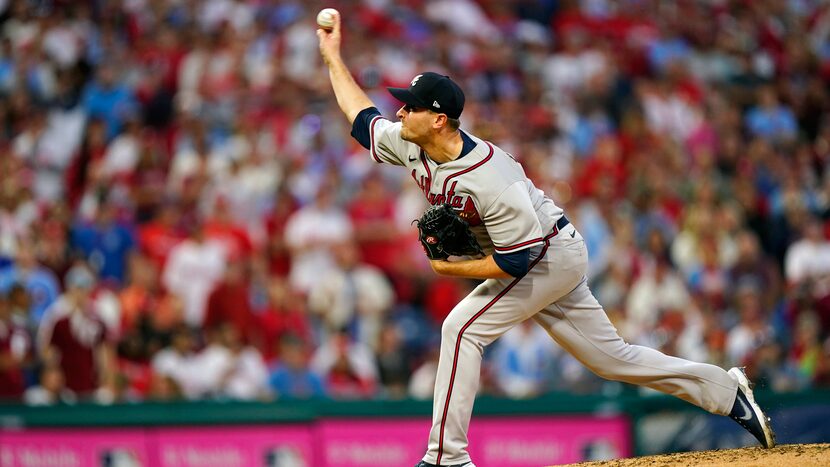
{"points": [[183, 214]]}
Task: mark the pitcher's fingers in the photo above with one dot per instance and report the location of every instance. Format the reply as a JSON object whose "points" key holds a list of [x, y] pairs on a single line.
{"points": [[336, 28]]}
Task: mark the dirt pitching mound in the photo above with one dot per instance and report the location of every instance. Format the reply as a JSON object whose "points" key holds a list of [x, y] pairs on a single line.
{"points": [[801, 455]]}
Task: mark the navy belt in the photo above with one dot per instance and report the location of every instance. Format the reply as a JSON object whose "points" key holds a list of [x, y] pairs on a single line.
{"points": [[560, 224]]}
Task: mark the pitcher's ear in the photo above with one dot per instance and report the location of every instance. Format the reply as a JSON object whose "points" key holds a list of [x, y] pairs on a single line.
{"points": [[441, 120]]}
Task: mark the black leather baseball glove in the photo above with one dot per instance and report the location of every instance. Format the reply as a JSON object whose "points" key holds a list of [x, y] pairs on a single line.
{"points": [[443, 233]]}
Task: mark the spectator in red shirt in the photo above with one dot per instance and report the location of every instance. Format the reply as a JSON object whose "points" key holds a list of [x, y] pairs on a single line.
{"points": [[230, 302], [14, 350], [285, 315], [73, 336], [157, 237], [605, 166], [221, 227], [373, 217], [279, 257]]}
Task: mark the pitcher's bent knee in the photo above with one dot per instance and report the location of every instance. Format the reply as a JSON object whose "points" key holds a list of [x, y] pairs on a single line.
{"points": [[612, 367], [601, 369], [451, 328]]}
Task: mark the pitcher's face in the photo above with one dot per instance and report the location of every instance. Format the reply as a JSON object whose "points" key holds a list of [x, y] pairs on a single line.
{"points": [[416, 123]]}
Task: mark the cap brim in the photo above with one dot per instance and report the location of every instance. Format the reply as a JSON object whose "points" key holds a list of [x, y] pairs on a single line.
{"points": [[405, 96]]}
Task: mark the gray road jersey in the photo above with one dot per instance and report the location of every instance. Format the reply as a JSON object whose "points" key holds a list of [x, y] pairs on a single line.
{"points": [[487, 187]]}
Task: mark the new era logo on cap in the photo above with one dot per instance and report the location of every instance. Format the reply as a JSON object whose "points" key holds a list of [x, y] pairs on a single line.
{"points": [[445, 96]]}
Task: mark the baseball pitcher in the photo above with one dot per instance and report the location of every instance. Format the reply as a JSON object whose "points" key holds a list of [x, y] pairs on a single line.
{"points": [[532, 260]]}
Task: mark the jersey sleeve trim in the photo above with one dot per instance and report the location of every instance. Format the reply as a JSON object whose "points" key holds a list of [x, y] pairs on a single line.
{"points": [[470, 168], [518, 245], [360, 126], [372, 139]]}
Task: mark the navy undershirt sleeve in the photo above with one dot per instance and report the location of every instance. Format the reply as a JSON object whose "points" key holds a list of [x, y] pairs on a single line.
{"points": [[360, 126], [516, 264], [469, 145]]}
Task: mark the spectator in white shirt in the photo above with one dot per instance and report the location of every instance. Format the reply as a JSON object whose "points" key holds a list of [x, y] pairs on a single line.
{"points": [[422, 382], [658, 288], [352, 293], [122, 153], [809, 257], [51, 390], [177, 362], [194, 267], [227, 368], [310, 233]]}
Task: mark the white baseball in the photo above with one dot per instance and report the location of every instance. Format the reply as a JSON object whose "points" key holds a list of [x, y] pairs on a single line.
{"points": [[325, 19]]}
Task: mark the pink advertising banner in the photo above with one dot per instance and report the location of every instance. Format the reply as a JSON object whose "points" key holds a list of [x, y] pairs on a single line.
{"points": [[233, 446], [494, 441], [502, 442], [364, 442], [73, 448], [534, 442]]}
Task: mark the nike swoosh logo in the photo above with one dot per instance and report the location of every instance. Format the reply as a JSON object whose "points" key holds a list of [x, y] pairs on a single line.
{"points": [[747, 412], [411, 159], [573, 233]]}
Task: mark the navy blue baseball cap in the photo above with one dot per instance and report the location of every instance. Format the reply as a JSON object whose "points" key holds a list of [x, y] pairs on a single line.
{"points": [[432, 91]]}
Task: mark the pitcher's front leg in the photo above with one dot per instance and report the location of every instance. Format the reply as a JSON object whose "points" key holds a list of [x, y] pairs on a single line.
{"points": [[488, 312]]}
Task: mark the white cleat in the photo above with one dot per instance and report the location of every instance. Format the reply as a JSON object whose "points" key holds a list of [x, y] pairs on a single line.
{"points": [[751, 417]]}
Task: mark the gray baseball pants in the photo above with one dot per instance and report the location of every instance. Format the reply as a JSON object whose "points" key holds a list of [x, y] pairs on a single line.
{"points": [[555, 294]]}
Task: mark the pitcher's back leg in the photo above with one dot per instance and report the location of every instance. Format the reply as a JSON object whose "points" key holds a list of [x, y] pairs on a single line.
{"points": [[579, 324]]}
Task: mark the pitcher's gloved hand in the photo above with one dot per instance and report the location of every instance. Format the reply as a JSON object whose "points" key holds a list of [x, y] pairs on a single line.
{"points": [[443, 233]]}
